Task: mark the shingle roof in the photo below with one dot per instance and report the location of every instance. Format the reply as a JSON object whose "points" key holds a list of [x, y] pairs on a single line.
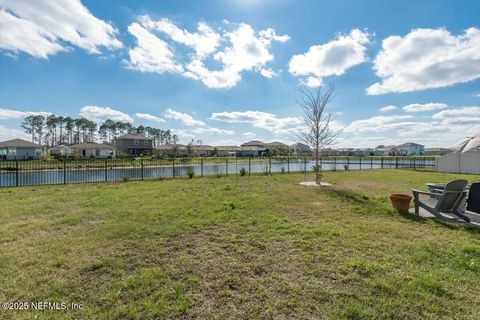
{"points": [[137, 136], [253, 143], [410, 144], [276, 144], [18, 143]]}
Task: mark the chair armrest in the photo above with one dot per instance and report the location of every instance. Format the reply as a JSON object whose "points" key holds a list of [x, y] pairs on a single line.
{"points": [[416, 193], [420, 192]]}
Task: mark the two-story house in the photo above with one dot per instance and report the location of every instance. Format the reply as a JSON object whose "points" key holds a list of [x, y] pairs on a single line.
{"points": [[134, 144], [411, 149]]}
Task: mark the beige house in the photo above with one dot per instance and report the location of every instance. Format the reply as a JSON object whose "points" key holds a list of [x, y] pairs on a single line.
{"points": [[300, 149], [170, 150], [226, 151]]}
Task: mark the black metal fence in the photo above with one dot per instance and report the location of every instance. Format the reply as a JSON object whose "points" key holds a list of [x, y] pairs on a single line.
{"points": [[42, 172]]}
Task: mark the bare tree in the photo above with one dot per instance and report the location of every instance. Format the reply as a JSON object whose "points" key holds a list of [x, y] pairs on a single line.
{"points": [[317, 132]]}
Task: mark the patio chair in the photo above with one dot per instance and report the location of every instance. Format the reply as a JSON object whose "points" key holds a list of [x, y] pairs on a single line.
{"points": [[473, 203], [447, 202]]}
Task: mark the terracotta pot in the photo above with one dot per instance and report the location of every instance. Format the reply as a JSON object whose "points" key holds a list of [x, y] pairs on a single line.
{"points": [[401, 202]]}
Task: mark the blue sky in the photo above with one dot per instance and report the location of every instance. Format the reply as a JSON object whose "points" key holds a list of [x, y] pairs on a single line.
{"points": [[229, 71]]}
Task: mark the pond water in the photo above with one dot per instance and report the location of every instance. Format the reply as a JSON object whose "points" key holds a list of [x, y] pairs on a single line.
{"points": [[77, 175]]}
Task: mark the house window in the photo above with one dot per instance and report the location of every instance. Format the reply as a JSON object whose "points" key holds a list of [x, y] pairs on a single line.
{"points": [[135, 142], [145, 142]]}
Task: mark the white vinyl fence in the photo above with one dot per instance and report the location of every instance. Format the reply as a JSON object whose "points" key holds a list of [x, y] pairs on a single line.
{"points": [[455, 162]]}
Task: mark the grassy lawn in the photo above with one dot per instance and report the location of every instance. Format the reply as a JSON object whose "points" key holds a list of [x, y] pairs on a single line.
{"points": [[234, 247]]}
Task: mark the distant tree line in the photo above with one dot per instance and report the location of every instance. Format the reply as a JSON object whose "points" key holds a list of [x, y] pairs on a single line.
{"points": [[54, 130]]}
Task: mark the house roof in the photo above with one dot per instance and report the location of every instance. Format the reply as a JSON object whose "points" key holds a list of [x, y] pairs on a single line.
{"points": [[253, 143], [137, 136], [18, 143], [92, 145], [203, 147], [410, 144], [298, 144], [276, 144]]}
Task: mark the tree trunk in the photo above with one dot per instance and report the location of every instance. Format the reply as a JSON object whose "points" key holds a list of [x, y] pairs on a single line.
{"points": [[317, 168]]}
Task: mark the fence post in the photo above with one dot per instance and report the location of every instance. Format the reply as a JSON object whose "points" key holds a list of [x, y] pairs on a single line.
{"points": [[106, 170], [382, 162], [305, 165], [173, 169], [201, 167], [141, 163], [226, 166], [64, 171], [396, 162], [16, 173], [270, 165], [249, 167], [414, 164], [288, 164]]}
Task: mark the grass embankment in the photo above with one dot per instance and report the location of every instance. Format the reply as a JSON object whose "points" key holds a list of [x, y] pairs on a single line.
{"points": [[256, 247]]}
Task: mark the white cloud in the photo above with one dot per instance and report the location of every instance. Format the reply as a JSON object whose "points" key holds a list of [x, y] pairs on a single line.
{"points": [[419, 107], [249, 134], [151, 54], [377, 123], [204, 42], [149, 117], [440, 130], [264, 120], [387, 108], [214, 131], [15, 114], [426, 58], [331, 58], [10, 133], [183, 117], [237, 50], [268, 73], [460, 116], [99, 114], [44, 27]]}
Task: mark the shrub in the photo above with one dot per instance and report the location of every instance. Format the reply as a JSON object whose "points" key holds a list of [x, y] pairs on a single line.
{"points": [[345, 167], [283, 170], [190, 173], [125, 179], [228, 206], [243, 172]]}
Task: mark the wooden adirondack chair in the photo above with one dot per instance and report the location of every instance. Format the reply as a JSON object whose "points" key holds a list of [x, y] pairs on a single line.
{"points": [[447, 201]]}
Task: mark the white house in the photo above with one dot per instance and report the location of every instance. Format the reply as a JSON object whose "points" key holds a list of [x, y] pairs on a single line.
{"points": [[411, 149], [93, 150]]}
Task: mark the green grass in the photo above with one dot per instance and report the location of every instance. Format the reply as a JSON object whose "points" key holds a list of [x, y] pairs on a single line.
{"points": [[257, 247]]}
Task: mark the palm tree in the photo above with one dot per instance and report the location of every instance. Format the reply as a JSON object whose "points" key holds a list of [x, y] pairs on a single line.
{"points": [[28, 125], [69, 126], [61, 124]]}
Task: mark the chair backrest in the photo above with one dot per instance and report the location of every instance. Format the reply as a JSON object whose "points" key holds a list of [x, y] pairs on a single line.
{"points": [[450, 197], [473, 202]]}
